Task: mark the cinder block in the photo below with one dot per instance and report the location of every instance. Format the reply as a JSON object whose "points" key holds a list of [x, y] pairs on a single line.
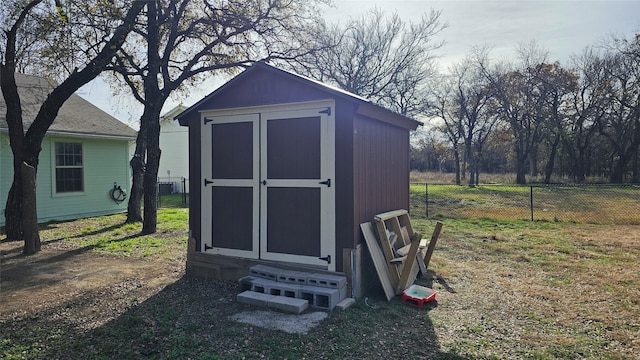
{"points": [[284, 289], [265, 272], [320, 297], [293, 277], [261, 285], [246, 282], [288, 304], [327, 280], [345, 304], [254, 298]]}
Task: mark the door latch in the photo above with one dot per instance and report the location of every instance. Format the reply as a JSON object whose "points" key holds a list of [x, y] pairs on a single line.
{"points": [[326, 258]]}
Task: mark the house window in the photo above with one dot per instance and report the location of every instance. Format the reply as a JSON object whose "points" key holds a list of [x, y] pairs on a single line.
{"points": [[69, 169]]}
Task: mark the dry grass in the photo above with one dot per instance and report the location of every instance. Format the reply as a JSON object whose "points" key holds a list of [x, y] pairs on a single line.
{"points": [[547, 291], [506, 290]]}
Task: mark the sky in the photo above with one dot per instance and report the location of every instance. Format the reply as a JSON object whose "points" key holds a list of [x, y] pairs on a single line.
{"points": [[562, 27]]}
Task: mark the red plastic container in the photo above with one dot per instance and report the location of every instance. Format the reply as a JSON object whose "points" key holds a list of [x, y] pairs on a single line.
{"points": [[418, 295]]}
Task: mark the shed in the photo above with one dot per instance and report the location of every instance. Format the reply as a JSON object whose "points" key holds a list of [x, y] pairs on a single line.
{"points": [[283, 169]]}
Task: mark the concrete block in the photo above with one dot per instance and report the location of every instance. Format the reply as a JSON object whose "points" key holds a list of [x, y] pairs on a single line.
{"points": [[320, 297], [293, 277], [327, 280], [284, 289], [262, 285], [265, 272], [246, 282], [288, 304], [345, 304], [254, 298]]}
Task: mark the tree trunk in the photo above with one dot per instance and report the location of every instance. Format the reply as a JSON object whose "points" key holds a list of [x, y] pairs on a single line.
{"points": [[134, 211], [29, 210], [551, 162], [617, 171], [150, 220], [13, 211], [521, 169], [456, 164]]}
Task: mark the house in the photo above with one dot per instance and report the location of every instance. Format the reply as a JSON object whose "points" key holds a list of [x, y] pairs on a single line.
{"points": [[85, 155], [174, 161], [283, 169]]}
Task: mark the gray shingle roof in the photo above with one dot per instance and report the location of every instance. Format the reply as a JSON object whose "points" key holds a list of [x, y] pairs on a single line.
{"points": [[77, 116]]}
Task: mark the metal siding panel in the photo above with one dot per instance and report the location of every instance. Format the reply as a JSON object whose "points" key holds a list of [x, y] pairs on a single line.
{"points": [[381, 170], [195, 176]]}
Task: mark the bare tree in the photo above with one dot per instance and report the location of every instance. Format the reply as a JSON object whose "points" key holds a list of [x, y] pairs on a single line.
{"points": [[620, 124], [379, 57], [519, 102], [182, 41], [21, 221], [446, 116]]}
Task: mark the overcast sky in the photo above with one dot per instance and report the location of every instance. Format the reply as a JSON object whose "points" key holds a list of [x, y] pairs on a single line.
{"points": [[562, 27]]}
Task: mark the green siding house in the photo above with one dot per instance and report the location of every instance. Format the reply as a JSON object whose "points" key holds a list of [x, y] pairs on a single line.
{"points": [[85, 154]]}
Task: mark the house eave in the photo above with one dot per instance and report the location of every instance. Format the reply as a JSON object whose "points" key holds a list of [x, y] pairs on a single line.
{"points": [[84, 135]]}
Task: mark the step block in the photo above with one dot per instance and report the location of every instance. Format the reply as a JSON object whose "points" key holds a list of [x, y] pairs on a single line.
{"points": [[265, 286], [293, 277], [291, 305], [254, 298], [320, 297], [288, 304], [265, 272], [327, 280]]}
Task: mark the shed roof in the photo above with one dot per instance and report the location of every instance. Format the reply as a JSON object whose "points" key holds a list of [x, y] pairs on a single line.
{"points": [[365, 107], [77, 117]]}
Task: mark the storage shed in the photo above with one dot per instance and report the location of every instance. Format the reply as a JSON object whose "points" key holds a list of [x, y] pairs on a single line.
{"points": [[283, 169]]}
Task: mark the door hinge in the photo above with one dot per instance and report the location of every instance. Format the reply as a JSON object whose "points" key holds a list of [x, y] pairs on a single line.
{"points": [[325, 111], [328, 183], [207, 182], [207, 121], [207, 247], [326, 258]]}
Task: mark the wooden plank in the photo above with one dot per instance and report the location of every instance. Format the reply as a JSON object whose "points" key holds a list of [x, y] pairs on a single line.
{"points": [[394, 226], [379, 261], [432, 243], [387, 251], [406, 223], [406, 279], [390, 214]]}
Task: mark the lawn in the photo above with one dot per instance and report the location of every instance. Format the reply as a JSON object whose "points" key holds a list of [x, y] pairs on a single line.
{"points": [[506, 289]]}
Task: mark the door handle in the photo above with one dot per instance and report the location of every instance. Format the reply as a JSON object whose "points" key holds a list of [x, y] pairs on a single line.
{"points": [[264, 182], [328, 183]]}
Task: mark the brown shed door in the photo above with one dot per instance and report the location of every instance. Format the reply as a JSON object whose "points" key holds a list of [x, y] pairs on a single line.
{"points": [[297, 198], [272, 191], [230, 193]]}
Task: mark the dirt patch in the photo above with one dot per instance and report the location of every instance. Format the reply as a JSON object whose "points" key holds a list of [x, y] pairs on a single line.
{"points": [[57, 274]]}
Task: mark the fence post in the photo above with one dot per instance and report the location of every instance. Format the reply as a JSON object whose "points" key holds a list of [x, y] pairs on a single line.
{"points": [[531, 200], [184, 192], [426, 199]]}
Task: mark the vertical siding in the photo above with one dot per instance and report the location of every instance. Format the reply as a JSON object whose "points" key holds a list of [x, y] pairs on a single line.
{"points": [[195, 178], [174, 143], [381, 169], [344, 179], [105, 162]]}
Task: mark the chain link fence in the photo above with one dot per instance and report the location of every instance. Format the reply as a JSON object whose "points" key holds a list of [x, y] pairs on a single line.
{"points": [[173, 192], [600, 204]]}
